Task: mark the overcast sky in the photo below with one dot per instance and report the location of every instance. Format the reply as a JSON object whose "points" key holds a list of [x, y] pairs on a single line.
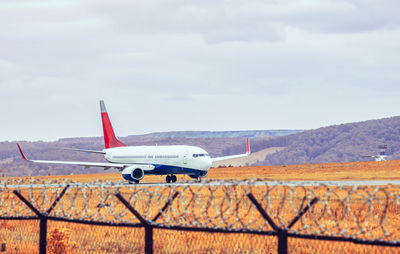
{"points": [[173, 65]]}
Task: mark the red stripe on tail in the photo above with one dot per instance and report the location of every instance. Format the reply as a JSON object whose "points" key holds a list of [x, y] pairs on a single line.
{"points": [[110, 140]]}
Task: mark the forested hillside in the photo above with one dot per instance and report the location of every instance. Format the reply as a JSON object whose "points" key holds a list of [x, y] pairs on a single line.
{"points": [[223, 134], [338, 143]]}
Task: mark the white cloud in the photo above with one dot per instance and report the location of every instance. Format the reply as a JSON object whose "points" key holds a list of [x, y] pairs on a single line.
{"points": [[203, 65]]}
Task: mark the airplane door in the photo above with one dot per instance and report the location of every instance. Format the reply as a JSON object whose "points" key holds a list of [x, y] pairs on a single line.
{"points": [[185, 157]]}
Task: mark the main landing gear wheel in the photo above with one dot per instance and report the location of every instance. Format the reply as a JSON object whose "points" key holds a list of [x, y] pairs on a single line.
{"points": [[199, 179], [171, 178], [137, 181]]}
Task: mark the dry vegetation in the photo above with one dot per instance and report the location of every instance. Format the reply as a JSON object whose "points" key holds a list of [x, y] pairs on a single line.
{"points": [[304, 172], [22, 236], [313, 172]]}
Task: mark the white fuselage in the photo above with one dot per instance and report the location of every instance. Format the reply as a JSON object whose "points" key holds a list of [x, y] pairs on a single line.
{"points": [[176, 159], [379, 157]]}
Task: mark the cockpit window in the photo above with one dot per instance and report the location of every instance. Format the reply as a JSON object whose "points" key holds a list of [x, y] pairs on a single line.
{"points": [[200, 155]]}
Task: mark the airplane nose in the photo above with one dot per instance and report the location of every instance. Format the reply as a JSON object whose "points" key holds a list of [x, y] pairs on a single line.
{"points": [[207, 163]]}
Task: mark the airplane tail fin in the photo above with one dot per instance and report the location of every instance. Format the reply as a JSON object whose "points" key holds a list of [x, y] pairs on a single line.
{"points": [[110, 140]]}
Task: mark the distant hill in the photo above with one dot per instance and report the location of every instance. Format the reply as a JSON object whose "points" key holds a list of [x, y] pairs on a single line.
{"points": [[254, 158], [337, 143], [223, 134]]}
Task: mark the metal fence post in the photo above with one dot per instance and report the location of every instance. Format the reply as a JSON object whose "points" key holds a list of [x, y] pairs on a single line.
{"points": [[282, 241], [42, 217], [148, 248], [43, 235], [282, 233], [148, 237], [43, 223], [3, 247]]}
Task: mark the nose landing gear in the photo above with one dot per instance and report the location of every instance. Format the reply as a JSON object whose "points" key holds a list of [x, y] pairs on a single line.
{"points": [[170, 178]]}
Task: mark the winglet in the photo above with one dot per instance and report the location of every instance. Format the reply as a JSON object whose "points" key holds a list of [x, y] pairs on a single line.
{"points": [[248, 147], [23, 156]]}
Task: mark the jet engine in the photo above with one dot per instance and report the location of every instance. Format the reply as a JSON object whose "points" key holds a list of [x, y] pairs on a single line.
{"points": [[200, 174], [133, 173]]}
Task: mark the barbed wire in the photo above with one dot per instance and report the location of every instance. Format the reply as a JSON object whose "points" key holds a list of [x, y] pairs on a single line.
{"points": [[364, 212]]}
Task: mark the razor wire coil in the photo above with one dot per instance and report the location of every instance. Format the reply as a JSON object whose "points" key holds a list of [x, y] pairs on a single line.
{"points": [[363, 212]]}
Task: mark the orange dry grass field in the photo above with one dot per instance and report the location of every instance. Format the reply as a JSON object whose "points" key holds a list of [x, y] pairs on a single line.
{"points": [[313, 172], [22, 236], [308, 172]]}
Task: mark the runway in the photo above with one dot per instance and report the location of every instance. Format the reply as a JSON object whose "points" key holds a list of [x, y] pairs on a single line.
{"points": [[206, 183], [346, 183]]}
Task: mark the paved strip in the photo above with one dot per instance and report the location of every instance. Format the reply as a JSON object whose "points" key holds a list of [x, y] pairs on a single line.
{"points": [[210, 183]]}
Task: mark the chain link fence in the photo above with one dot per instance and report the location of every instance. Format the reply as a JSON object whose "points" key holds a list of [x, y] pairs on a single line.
{"points": [[213, 216]]}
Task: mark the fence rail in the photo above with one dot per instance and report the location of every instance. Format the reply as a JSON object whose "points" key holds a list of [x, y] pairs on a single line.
{"points": [[358, 214]]}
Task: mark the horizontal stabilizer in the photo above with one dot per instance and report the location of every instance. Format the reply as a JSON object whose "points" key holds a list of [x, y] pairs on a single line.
{"points": [[83, 150]]}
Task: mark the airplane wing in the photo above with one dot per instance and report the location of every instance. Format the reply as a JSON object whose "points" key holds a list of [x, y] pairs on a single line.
{"points": [[229, 157], [234, 156], [105, 165]]}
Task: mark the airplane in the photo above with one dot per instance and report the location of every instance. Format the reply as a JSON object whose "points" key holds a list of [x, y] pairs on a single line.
{"points": [[134, 162], [381, 157]]}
